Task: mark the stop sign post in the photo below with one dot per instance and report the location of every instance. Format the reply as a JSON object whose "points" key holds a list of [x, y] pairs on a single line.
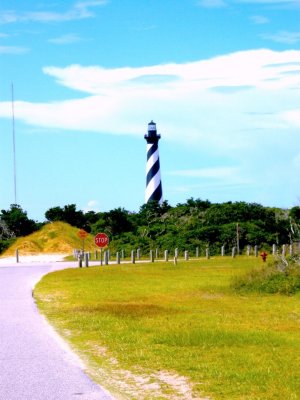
{"points": [[82, 234], [101, 240]]}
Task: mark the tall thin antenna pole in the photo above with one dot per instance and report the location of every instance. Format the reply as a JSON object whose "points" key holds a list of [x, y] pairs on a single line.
{"points": [[14, 141]]}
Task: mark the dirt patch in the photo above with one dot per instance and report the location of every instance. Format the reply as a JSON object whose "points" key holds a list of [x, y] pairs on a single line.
{"points": [[134, 386]]}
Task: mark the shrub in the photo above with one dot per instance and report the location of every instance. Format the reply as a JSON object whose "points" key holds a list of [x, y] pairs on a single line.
{"points": [[280, 276], [4, 244]]}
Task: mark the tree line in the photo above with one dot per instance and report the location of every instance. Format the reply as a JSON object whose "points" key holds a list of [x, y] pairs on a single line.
{"points": [[195, 223]]}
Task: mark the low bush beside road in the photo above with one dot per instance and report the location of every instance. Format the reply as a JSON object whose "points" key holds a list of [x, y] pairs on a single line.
{"points": [[280, 275]]}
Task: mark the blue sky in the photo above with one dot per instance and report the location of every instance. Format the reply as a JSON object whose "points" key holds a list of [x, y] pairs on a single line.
{"points": [[221, 79]]}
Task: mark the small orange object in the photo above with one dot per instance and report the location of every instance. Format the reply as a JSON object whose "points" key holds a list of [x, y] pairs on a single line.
{"points": [[263, 256], [82, 233]]}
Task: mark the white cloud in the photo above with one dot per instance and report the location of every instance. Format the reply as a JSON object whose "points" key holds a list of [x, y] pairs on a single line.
{"points": [[292, 2], [296, 161], [223, 3], [293, 117], [221, 178], [65, 39], [211, 173], [283, 37], [227, 103], [92, 205], [262, 69], [13, 50], [212, 3], [80, 10], [259, 19]]}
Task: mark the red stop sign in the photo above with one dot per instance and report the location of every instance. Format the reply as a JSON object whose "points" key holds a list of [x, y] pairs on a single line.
{"points": [[101, 239]]}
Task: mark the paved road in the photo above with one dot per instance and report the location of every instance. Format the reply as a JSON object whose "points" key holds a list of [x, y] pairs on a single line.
{"points": [[35, 364]]}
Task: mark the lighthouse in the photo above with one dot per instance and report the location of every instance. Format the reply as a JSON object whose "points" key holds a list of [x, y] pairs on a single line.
{"points": [[153, 179]]}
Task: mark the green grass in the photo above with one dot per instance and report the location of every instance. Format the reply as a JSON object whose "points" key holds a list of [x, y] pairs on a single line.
{"points": [[155, 325]]}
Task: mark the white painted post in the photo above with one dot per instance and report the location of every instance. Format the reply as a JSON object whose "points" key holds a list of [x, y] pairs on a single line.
{"points": [[166, 255], [233, 253], [80, 256], [223, 251], [256, 251], [248, 250], [133, 256], [197, 252], [151, 256], [106, 258], [186, 255], [207, 253]]}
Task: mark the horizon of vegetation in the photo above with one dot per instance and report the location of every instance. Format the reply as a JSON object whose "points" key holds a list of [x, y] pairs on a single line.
{"points": [[196, 223]]}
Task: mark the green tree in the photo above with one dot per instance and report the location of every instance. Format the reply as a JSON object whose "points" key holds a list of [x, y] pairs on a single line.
{"points": [[151, 211], [67, 214], [114, 222], [294, 213], [54, 214], [17, 221], [7, 237]]}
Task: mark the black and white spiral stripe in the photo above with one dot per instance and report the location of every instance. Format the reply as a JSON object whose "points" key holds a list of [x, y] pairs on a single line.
{"points": [[153, 178]]}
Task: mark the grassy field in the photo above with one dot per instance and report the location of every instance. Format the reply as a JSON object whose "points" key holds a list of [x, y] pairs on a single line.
{"points": [[160, 331]]}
